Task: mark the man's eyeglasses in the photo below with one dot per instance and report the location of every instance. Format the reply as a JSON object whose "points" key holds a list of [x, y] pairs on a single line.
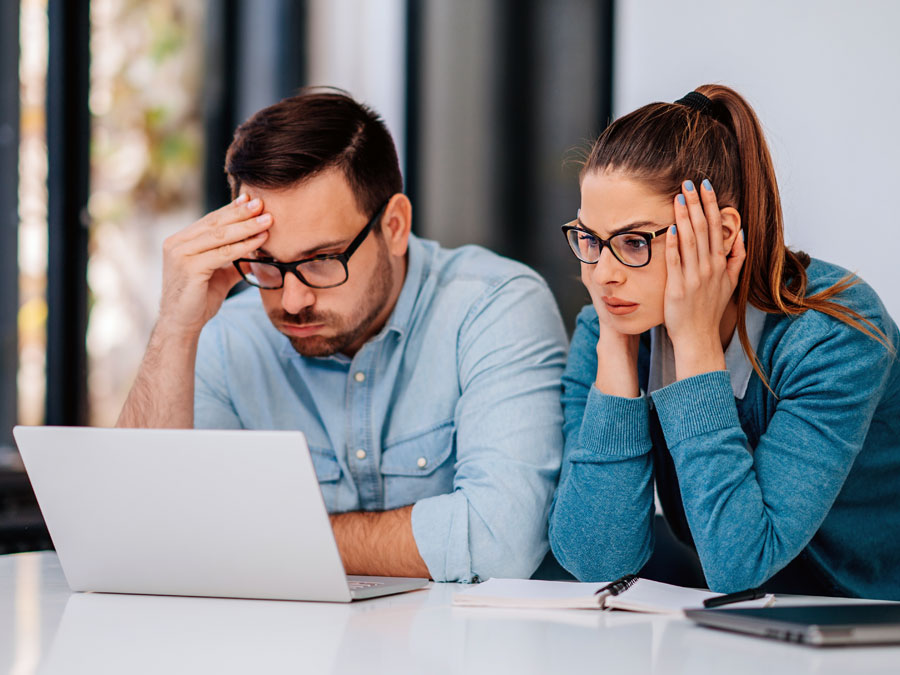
{"points": [[629, 248], [319, 271]]}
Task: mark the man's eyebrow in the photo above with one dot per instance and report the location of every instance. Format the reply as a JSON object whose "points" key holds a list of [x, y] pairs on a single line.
{"points": [[619, 230], [339, 244]]}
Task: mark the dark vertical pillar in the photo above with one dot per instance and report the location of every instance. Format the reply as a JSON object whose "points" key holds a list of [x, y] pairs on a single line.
{"points": [[292, 61], [220, 97], [517, 124], [606, 49], [414, 54], [9, 219], [68, 145]]}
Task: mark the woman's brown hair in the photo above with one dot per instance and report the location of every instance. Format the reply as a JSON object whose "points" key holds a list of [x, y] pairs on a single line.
{"points": [[664, 144]]}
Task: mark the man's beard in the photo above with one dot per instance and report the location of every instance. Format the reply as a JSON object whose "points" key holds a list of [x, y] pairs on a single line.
{"points": [[351, 329]]}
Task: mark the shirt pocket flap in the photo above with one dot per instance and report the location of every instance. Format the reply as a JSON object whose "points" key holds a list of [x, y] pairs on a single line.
{"points": [[327, 468], [420, 453]]}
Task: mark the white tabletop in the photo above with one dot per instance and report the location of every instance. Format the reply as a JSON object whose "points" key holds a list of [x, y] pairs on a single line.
{"points": [[45, 628]]}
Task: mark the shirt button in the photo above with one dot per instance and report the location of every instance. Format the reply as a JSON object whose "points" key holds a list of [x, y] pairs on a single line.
{"points": [[360, 454], [360, 377], [421, 462]]}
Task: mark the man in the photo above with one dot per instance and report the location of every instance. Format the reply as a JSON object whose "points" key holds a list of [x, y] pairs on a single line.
{"points": [[426, 380]]}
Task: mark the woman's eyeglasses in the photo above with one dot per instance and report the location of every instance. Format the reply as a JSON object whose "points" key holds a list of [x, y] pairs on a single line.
{"points": [[629, 248]]}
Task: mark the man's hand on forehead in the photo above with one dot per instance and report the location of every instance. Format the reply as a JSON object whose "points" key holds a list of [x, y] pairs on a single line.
{"points": [[197, 270]]}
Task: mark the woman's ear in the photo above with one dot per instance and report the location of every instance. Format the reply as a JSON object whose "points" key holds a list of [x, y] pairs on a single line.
{"points": [[731, 226]]}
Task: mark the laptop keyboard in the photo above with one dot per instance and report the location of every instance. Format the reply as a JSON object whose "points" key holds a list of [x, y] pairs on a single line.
{"points": [[362, 585]]}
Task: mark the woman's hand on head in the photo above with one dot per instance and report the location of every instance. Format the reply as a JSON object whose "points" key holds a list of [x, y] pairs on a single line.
{"points": [[702, 277], [616, 352]]}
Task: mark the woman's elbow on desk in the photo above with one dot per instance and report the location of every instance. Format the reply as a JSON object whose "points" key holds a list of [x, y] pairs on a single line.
{"points": [[589, 560]]}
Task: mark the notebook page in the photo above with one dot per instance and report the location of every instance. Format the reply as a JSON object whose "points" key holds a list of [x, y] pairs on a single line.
{"points": [[658, 598], [530, 593]]}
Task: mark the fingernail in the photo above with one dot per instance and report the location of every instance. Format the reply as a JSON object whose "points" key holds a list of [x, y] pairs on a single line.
{"points": [[689, 186], [707, 185], [241, 198], [681, 199], [254, 204], [743, 238], [674, 230], [264, 218]]}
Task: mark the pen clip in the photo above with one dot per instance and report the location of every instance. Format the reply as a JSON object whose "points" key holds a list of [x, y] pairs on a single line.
{"points": [[618, 586]]}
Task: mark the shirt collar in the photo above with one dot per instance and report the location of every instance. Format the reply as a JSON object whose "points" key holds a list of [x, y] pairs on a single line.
{"points": [[400, 317], [738, 364]]}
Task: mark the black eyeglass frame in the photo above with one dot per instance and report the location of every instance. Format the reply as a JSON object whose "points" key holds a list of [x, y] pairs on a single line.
{"points": [[292, 267], [648, 236]]}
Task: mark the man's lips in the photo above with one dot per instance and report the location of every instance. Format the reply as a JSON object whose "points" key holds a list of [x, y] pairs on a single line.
{"points": [[298, 330], [618, 306]]}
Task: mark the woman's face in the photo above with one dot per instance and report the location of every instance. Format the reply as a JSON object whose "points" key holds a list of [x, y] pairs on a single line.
{"points": [[629, 299]]}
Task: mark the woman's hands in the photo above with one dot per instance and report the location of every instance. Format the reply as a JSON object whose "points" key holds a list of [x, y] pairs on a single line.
{"points": [[616, 352], [702, 277]]}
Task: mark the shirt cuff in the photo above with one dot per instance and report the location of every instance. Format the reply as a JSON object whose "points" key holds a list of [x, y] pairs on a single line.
{"points": [[696, 405], [614, 426], [440, 527]]}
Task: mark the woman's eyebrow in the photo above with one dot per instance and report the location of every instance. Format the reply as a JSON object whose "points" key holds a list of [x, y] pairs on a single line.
{"points": [[619, 230]]}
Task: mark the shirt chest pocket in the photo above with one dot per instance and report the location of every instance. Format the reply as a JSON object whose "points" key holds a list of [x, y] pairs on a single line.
{"points": [[418, 465]]}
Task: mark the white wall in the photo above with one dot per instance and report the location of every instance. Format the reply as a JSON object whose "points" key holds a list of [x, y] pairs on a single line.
{"points": [[824, 78], [360, 46]]}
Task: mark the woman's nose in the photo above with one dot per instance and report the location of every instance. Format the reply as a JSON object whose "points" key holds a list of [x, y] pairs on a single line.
{"points": [[608, 270]]}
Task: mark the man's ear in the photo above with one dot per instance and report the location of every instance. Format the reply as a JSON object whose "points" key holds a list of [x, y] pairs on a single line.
{"points": [[396, 224], [731, 226]]}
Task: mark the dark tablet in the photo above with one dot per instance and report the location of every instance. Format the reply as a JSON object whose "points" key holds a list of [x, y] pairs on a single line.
{"points": [[818, 625]]}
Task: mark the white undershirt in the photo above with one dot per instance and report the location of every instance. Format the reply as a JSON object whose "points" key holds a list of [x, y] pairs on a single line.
{"points": [[662, 355]]}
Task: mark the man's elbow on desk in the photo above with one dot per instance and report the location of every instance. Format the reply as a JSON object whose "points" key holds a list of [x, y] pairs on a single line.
{"points": [[458, 545]]}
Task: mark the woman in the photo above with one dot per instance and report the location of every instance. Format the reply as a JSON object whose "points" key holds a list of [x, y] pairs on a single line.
{"points": [[758, 390]]}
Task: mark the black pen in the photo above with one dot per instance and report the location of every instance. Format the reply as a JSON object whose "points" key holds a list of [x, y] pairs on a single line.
{"points": [[616, 587], [740, 596]]}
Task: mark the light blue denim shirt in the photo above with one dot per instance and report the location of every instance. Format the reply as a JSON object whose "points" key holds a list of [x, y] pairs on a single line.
{"points": [[454, 407]]}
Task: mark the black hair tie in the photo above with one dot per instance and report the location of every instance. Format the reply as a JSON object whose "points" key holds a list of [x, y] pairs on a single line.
{"points": [[697, 101]]}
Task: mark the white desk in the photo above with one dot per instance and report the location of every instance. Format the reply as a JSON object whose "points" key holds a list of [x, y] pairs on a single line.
{"points": [[45, 628]]}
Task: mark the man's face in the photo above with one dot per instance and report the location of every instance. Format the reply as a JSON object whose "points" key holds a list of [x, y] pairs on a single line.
{"points": [[321, 216]]}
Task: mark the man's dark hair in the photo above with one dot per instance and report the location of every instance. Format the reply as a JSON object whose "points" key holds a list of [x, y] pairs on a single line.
{"points": [[314, 131]]}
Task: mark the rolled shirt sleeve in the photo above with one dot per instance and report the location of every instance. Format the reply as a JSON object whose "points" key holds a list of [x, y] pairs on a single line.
{"points": [[511, 352]]}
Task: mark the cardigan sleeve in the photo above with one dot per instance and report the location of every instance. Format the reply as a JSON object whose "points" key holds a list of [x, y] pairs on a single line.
{"points": [[601, 522], [752, 510]]}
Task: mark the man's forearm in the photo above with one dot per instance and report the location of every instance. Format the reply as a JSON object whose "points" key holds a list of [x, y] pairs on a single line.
{"points": [[379, 543], [163, 392]]}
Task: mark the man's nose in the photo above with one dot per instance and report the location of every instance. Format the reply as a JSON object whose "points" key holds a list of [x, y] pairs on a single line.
{"points": [[608, 269], [296, 295]]}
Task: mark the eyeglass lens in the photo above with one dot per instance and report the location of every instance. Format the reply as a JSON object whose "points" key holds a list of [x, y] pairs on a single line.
{"points": [[317, 273], [630, 248]]}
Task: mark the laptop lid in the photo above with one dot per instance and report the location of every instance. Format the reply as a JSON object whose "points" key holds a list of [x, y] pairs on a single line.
{"points": [[185, 512], [819, 625]]}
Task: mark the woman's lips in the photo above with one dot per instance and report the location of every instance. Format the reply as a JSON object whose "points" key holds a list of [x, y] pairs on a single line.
{"points": [[301, 331], [619, 307]]}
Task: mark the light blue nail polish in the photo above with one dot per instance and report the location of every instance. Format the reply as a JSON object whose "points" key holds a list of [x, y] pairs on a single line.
{"points": [[707, 185], [689, 185], [681, 199], [743, 236], [674, 230]]}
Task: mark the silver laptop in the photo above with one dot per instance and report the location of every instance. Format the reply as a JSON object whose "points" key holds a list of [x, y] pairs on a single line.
{"points": [[817, 625], [234, 514]]}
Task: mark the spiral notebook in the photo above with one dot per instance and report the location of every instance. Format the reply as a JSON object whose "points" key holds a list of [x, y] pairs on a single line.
{"points": [[629, 593]]}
